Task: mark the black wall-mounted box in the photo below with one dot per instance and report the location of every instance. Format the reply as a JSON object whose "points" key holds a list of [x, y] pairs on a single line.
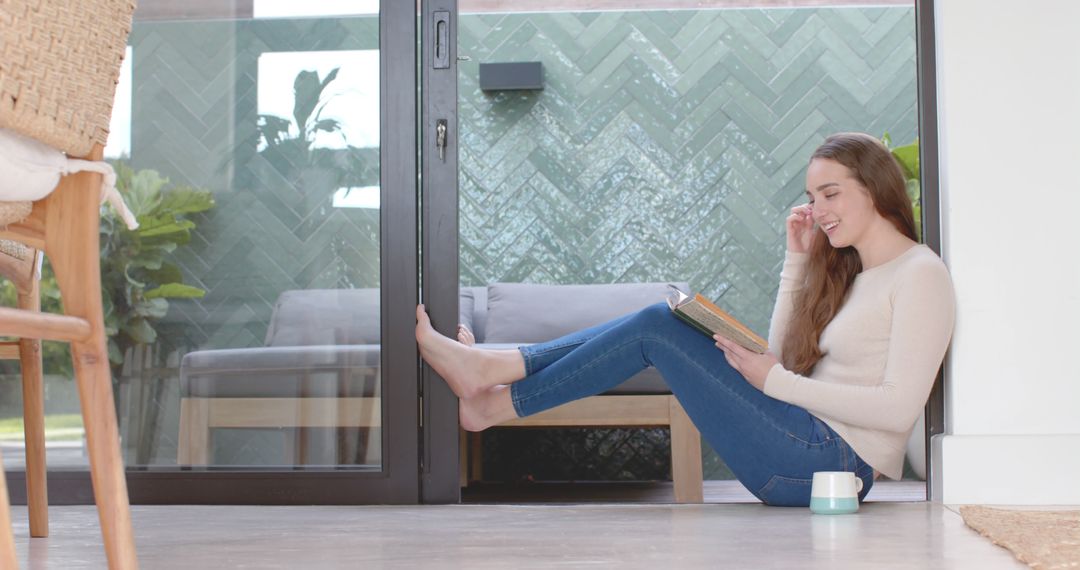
{"points": [[511, 76]]}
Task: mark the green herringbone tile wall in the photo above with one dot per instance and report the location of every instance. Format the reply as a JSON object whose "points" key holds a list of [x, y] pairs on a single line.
{"points": [[666, 145]]}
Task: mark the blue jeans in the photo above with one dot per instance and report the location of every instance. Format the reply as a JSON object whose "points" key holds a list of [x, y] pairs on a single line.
{"points": [[772, 447]]}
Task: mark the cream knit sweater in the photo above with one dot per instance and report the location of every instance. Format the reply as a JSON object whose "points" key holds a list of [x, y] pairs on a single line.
{"points": [[882, 353]]}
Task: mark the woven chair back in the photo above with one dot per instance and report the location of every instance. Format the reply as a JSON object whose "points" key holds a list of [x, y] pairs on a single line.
{"points": [[59, 66]]}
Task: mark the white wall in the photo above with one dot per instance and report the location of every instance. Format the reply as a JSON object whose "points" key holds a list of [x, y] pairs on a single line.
{"points": [[1009, 128]]}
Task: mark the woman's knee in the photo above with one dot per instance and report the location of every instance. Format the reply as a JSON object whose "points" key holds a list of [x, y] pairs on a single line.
{"points": [[657, 312]]}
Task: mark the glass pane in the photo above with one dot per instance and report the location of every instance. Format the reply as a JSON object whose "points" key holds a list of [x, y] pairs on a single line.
{"points": [[278, 116], [667, 144], [269, 356]]}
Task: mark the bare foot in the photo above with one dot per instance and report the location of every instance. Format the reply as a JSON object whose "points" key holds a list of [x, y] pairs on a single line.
{"points": [[461, 366], [487, 408]]}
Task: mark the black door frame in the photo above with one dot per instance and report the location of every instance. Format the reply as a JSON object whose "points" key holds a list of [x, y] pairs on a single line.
{"points": [[925, 50], [439, 215], [398, 482]]}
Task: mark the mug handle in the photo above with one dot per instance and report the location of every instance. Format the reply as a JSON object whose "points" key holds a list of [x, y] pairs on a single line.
{"points": [[858, 484]]}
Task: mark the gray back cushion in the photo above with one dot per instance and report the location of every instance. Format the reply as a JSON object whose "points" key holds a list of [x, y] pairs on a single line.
{"points": [[325, 316], [472, 310], [527, 313]]}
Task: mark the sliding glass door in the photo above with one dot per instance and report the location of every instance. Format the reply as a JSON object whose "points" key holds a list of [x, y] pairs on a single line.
{"points": [[261, 320]]}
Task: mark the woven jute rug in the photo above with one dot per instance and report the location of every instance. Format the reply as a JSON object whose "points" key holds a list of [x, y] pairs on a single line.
{"points": [[1041, 539]]}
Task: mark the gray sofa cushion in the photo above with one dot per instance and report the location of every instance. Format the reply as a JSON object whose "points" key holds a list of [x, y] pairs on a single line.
{"points": [[529, 313], [325, 317], [320, 343], [281, 372]]}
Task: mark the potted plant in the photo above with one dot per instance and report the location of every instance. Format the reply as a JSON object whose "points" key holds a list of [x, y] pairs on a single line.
{"points": [[137, 280]]}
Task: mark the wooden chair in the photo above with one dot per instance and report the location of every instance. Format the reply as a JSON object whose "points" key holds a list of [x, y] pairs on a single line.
{"points": [[61, 65], [22, 266]]}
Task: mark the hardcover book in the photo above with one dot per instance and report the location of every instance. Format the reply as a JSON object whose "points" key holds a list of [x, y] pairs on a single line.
{"points": [[705, 316]]}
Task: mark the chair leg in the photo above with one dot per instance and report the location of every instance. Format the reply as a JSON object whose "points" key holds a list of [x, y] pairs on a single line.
{"points": [[103, 444], [476, 455], [194, 445], [463, 458], [7, 538], [685, 456], [33, 386], [71, 243]]}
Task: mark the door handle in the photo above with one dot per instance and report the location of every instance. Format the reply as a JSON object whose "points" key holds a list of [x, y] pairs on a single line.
{"points": [[441, 29]]}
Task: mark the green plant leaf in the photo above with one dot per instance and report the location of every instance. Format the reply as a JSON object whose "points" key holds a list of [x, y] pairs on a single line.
{"points": [[329, 77], [175, 291], [168, 273], [327, 125], [185, 200], [908, 157], [124, 174], [144, 191], [149, 259], [165, 243], [112, 324], [156, 226], [306, 90], [132, 281], [151, 307], [140, 331], [115, 356], [273, 129]]}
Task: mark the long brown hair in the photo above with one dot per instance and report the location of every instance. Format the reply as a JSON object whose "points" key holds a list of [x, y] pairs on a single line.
{"points": [[831, 271]]}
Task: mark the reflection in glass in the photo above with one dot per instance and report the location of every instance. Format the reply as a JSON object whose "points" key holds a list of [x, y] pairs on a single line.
{"points": [[278, 364]]}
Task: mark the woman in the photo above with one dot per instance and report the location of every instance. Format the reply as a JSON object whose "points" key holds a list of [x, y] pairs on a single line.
{"points": [[862, 320]]}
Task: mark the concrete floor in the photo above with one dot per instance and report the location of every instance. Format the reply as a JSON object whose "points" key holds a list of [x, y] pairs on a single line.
{"points": [[882, 535]]}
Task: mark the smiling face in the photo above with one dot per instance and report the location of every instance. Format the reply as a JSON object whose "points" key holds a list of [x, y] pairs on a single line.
{"points": [[842, 207]]}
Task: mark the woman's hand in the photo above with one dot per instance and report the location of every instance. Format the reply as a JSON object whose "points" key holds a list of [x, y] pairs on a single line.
{"points": [[800, 228], [753, 366]]}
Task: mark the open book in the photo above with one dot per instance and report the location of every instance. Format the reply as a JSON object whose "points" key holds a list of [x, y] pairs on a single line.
{"points": [[703, 315]]}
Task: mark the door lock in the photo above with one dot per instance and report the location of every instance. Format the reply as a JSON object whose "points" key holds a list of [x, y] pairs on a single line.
{"points": [[440, 138]]}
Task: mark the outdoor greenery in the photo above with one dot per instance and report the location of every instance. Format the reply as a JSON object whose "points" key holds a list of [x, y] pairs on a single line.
{"points": [[58, 427], [137, 280], [908, 157]]}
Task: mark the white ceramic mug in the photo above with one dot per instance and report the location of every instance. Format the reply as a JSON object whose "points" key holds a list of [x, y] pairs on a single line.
{"points": [[835, 492]]}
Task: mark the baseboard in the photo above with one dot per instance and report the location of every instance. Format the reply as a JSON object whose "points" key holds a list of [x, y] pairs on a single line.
{"points": [[1006, 469]]}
